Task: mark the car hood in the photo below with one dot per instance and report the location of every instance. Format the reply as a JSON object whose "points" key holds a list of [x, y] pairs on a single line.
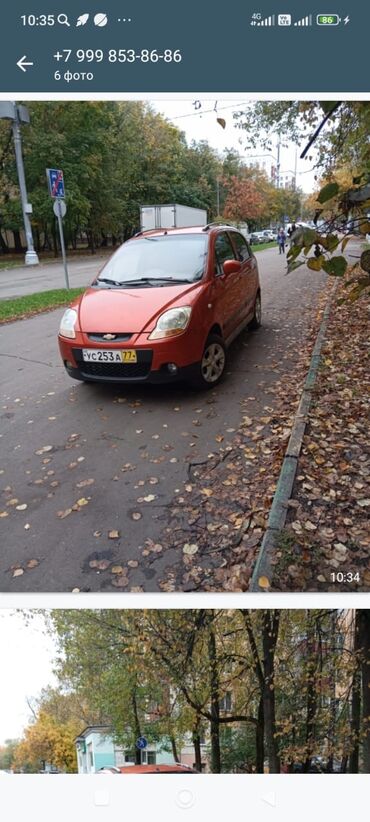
{"points": [[120, 310]]}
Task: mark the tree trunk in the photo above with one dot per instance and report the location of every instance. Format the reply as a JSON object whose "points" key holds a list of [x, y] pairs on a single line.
{"points": [[333, 700], [18, 248], [270, 627], [311, 710], [3, 245], [197, 748], [215, 704], [174, 749], [137, 729], [364, 644], [356, 703], [260, 735]]}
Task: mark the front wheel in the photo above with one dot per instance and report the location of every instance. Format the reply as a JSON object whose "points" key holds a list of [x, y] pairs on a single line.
{"points": [[212, 365], [257, 315]]}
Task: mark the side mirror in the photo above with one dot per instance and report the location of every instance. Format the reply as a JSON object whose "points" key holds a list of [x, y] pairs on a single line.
{"points": [[231, 266]]}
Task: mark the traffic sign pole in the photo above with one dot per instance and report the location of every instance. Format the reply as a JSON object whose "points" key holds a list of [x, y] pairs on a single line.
{"points": [[59, 214]]}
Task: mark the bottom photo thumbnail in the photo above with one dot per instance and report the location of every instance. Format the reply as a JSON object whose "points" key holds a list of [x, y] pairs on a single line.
{"points": [[115, 691]]}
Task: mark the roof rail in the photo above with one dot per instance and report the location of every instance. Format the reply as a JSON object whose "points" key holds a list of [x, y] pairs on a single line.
{"points": [[219, 225]]}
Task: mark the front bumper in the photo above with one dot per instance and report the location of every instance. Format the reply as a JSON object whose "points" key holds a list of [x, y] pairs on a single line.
{"points": [[156, 377], [152, 366]]}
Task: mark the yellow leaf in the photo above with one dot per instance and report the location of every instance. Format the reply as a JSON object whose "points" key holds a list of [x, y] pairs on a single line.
{"points": [[263, 582]]}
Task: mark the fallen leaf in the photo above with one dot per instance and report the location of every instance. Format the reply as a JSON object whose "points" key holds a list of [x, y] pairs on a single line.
{"points": [[264, 583], [113, 534], [18, 572], [117, 569], [190, 549], [99, 564], [63, 514], [120, 581], [44, 449]]}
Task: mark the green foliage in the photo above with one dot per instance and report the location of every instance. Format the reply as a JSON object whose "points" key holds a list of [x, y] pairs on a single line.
{"points": [[238, 750], [154, 672], [329, 191]]}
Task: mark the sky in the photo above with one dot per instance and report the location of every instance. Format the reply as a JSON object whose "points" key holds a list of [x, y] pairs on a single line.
{"points": [[26, 655], [202, 124]]}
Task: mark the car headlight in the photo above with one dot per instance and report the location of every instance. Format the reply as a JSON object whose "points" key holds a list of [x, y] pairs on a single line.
{"points": [[171, 323], [68, 322]]}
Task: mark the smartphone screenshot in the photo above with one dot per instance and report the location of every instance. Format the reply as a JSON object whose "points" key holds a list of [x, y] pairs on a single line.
{"points": [[184, 317]]}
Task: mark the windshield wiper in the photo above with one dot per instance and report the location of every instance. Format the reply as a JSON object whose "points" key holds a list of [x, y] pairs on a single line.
{"points": [[106, 280], [154, 280]]}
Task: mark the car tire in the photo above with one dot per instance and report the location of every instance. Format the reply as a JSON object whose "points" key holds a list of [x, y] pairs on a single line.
{"points": [[212, 365], [257, 314]]}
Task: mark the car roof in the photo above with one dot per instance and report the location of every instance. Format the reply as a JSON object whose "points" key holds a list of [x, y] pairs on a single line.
{"points": [[194, 229]]}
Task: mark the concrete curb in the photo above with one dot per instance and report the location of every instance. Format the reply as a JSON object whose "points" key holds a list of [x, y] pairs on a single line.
{"points": [[279, 506]]}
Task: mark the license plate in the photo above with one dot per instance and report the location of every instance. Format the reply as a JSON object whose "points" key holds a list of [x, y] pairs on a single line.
{"points": [[109, 355]]}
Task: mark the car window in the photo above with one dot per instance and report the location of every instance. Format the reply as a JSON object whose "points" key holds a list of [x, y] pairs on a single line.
{"points": [[223, 251], [241, 246], [179, 256]]}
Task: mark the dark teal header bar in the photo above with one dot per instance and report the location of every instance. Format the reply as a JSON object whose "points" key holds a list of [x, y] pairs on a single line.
{"points": [[193, 46]]}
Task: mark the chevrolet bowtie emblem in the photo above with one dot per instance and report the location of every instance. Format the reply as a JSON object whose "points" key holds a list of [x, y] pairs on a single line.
{"points": [[109, 336]]}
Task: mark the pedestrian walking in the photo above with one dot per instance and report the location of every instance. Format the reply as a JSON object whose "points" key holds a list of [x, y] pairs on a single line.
{"points": [[281, 240]]}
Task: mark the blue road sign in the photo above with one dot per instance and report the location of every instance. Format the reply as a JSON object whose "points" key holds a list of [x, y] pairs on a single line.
{"points": [[141, 743], [56, 182]]}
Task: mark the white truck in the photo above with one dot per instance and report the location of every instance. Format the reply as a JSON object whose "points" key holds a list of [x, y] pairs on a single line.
{"points": [[171, 216]]}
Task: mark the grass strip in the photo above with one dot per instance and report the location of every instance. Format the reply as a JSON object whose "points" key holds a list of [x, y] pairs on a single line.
{"points": [[21, 307]]}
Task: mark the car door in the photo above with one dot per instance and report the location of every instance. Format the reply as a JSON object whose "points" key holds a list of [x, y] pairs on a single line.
{"points": [[248, 280], [226, 286]]}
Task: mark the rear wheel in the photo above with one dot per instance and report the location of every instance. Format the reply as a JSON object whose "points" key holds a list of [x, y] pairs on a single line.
{"points": [[257, 315], [212, 365]]}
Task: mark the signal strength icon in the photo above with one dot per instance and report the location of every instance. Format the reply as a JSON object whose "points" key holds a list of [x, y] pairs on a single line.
{"points": [[268, 21], [305, 21]]}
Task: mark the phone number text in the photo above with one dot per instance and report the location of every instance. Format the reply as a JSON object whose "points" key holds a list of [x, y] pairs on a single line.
{"points": [[118, 56]]}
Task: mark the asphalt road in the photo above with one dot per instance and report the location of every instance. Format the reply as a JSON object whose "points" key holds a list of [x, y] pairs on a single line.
{"points": [[16, 282], [119, 455]]}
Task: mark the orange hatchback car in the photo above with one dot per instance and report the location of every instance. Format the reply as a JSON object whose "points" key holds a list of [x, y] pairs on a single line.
{"points": [[166, 306]]}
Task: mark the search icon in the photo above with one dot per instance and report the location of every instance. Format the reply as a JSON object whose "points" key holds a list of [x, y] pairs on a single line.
{"points": [[63, 20]]}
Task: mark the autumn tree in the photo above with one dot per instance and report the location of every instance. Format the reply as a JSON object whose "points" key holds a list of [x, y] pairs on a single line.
{"points": [[47, 740], [288, 687]]}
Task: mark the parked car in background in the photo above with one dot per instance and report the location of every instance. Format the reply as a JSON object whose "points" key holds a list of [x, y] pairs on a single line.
{"points": [[255, 238], [166, 306], [127, 770], [269, 235]]}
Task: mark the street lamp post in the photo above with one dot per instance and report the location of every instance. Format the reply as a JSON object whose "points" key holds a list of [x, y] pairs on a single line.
{"points": [[18, 115]]}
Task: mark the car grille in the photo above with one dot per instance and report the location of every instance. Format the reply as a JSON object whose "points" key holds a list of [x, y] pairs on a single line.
{"points": [[117, 338], [116, 371]]}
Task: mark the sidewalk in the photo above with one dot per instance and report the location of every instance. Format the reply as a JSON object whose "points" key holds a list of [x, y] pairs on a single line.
{"points": [[17, 282], [325, 544]]}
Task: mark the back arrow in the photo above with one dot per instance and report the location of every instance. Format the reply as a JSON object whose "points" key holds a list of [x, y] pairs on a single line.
{"points": [[22, 64]]}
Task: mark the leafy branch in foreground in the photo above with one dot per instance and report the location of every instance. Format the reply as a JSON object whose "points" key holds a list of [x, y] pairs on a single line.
{"points": [[317, 247]]}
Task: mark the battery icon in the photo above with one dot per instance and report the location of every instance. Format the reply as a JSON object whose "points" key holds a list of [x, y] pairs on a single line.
{"points": [[328, 19]]}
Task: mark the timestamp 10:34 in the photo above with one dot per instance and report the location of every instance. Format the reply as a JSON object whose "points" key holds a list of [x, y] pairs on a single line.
{"points": [[119, 55], [345, 576]]}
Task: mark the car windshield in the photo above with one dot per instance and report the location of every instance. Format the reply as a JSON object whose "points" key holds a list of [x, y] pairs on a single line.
{"points": [[166, 258]]}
